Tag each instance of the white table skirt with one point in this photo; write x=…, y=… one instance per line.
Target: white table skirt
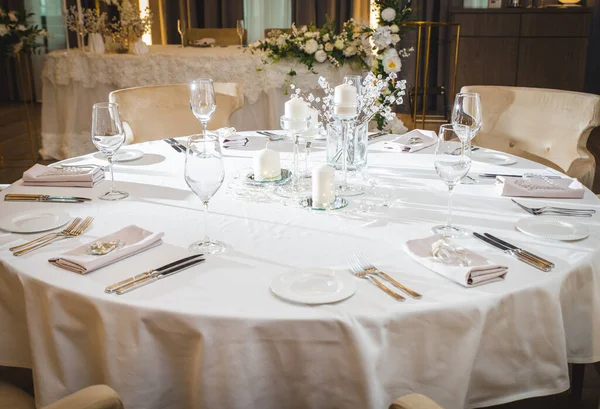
x=215, y=336
x=73, y=81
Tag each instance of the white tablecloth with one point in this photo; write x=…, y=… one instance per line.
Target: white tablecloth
x=73, y=81
x=215, y=336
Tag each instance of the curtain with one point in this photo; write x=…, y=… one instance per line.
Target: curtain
x=592, y=77
x=261, y=14
x=218, y=13
x=318, y=11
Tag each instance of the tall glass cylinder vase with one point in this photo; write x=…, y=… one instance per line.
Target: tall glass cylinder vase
x=357, y=147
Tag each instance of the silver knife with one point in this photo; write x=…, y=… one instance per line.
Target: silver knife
x=157, y=276
x=519, y=256
x=494, y=175
x=513, y=247
x=45, y=200
x=112, y=288
x=41, y=198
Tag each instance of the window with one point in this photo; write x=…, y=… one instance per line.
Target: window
x=261, y=14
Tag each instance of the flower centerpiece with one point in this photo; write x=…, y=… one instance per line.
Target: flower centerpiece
x=16, y=34
x=313, y=46
x=129, y=28
x=92, y=23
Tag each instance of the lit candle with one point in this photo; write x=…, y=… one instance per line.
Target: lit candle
x=267, y=165
x=296, y=108
x=323, y=178
x=344, y=99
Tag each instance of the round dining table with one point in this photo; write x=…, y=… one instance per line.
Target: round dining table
x=216, y=336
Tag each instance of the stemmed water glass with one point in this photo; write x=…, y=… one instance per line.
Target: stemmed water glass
x=452, y=162
x=108, y=135
x=203, y=101
x=241, y=28
x=204, y=174
x=467, y=119
x=181, y=29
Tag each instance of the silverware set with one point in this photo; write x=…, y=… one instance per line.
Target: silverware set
x=147, y=277
x=376, y=135
x=178, y=146
x=14, y=197
x=516, y=252
x=556, y=211
x=495, y=175
x=76, y=228
x=361, y=267
x=271, y=135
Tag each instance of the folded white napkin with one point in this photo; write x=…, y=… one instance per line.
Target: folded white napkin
x=205, y=41
x=230, y=138
x=40, y=175
x=136, y=240
x=539, y=186
x=478, y=271
x=412, y=141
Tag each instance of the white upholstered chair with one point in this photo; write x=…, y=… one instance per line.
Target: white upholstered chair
x=163, y=111
x=544, y=125
x=414, y=401
x=93, y=397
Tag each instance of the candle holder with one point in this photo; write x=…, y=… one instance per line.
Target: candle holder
x=346, y=115
x=294, y=127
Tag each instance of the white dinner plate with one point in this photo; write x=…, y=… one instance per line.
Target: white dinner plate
x=493, y=158
x=34, y=221
x=552, y=227
x=124, y=155
x=314, y=286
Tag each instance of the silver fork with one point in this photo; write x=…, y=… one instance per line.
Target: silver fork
x=361, y=273
x=79, y=230
x=66, y=230
x=369, y=268
x=555, y=210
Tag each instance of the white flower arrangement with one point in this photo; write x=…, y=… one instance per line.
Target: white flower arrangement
x=16, y=34
x=91, y=23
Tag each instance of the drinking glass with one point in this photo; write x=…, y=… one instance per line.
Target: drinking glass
x=203, y=101
x=204, y=174
x=452, y=162
x=466, y=115
x=108, y=135
x=240, y=26
x=346, y=116
x=181, y=29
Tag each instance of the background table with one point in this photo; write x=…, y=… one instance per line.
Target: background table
x=73, y=81
x=215, y=336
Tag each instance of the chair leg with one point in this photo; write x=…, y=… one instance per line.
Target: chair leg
x=577, y=373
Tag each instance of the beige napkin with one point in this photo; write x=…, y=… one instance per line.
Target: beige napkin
x=402, y=142
x=479, y=270
x=135, y=238
x=566, y=188
x=40, y=175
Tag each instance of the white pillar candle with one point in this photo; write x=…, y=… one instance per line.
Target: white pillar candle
x=267, y=165
x=296, y=108
x=344, y=99
x=323, y=186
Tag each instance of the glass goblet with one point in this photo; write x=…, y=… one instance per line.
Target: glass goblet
x=203, y=101
x=241, y=29
x=204, y=174
x=108, y=136
x=295, y=127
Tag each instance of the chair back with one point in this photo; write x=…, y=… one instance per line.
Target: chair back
x=163, y=111
x=222, y=36
x=283, y=30
x=548, y=126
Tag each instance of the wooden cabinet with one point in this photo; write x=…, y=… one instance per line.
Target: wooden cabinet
x=543, y=48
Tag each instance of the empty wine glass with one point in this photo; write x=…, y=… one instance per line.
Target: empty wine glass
x=108, y=135
x=181, y=29
x=203, y=101
x=452, y=162
x=241, y=30
x=204, y=174
x=466, y=115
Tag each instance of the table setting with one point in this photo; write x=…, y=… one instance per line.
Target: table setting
x=309, y=262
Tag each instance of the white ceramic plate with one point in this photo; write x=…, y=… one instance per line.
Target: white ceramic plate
x=551, y=227
x=124, y=155
x=314, y=286
x=34, y=221
x=493, y=158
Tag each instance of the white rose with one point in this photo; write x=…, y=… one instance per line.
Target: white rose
x=328, y=47
x=326, y=37
x=350, y=51
x=388, y=14
x=395, y=38
x=321, y=56
x=12, y=16
x=394, y=28
x=281, y=42
x=311, y=46
x=339, y=44
x=3, y=29
x=396, y=127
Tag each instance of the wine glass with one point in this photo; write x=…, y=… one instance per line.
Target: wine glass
x=466, y=115
x=108, y=135
x=204, y=174
x=452, y=162
x=181, y=29
x=241, y=29
x=203, y=101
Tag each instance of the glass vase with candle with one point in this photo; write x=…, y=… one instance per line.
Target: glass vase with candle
x=356, y=150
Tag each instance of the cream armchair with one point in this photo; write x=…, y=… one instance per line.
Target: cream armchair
x=163, y=111
x=93, y=397
x=544, y=125
x=414, y=401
